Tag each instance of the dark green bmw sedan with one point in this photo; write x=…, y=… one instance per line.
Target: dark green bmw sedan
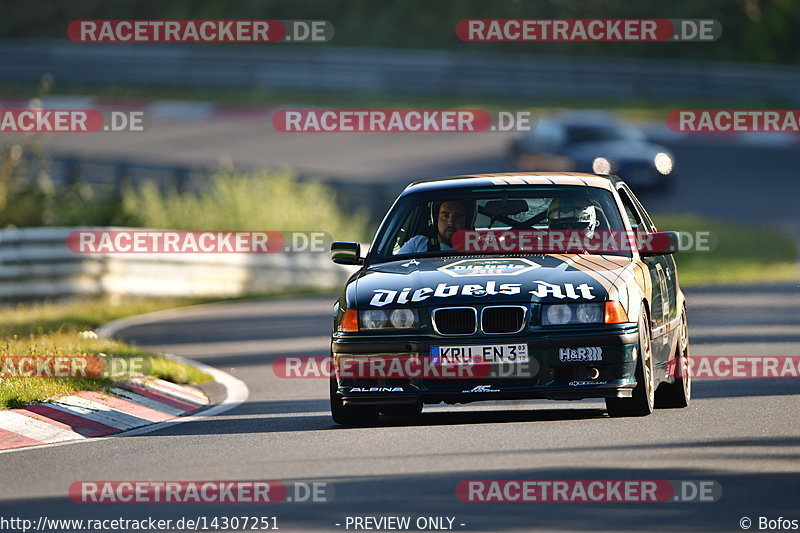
x=510, y=286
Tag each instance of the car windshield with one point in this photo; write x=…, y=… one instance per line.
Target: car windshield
x=601, y=133
x=429, y=224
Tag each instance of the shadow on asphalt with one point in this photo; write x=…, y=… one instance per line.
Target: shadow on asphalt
x=298, y=421
x=741, y=388
x=434, y=494
x=300, y=415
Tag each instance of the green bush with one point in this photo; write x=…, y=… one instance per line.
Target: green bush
x=260, y=201
x=264, y=200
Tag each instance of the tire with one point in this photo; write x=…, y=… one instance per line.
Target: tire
x=351, y=415
x=643, y=398
x=678, y=394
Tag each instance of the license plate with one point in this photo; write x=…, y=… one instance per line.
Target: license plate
x=494, y=354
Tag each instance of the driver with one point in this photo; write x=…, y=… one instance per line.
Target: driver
x=576, y=214
x=451, y=216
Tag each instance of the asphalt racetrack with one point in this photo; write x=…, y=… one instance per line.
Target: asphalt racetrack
x=742, y=434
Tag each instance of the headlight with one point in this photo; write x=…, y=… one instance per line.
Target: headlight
x=601, y=165
x=373, y=319
x=589, y=313
x=559, y=314
x=403, y=318
x=663, y=163
x=389, y=319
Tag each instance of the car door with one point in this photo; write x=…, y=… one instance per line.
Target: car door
x=662, y=275
x=668, y=263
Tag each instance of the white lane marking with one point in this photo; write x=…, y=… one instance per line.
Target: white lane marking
x=35, y=429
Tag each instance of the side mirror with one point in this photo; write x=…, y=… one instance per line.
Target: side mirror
x=346, y=253
x=658, y=243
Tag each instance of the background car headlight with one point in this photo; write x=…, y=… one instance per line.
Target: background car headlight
x=559, y=314
x=403, y=318
x=389, y=319
x=663, y=163
x=601, y=165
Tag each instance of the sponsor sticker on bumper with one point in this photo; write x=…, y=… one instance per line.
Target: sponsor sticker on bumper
x=494, y=354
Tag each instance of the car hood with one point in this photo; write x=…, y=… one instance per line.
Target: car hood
x=475, y=280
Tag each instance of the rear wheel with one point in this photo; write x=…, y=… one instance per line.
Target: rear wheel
x=351, y=415
x=679, y=393
x=641, y=401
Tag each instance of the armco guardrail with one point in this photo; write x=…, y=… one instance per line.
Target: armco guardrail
x=112, y=172
x=330, y=68
x=36, y=264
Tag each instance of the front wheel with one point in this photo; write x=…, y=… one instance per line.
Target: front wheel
x=678, y=394
x=642, y=400
x=351, y=415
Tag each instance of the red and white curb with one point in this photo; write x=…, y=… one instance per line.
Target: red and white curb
x=135, y=407
x=89, y=414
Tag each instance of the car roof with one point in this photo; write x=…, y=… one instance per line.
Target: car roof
x=513, y=179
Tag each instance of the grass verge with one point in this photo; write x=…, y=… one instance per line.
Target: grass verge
x=739, y=254
x=17, y=391
x=52, y=329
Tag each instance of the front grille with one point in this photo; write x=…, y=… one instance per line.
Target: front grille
x=503, y=319
x=455, y=321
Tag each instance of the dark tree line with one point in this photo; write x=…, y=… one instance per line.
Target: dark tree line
x=753, y=30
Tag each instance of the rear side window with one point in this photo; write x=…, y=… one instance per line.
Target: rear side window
x=631, y=211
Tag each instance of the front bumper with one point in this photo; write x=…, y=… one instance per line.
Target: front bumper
x=609, y=372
